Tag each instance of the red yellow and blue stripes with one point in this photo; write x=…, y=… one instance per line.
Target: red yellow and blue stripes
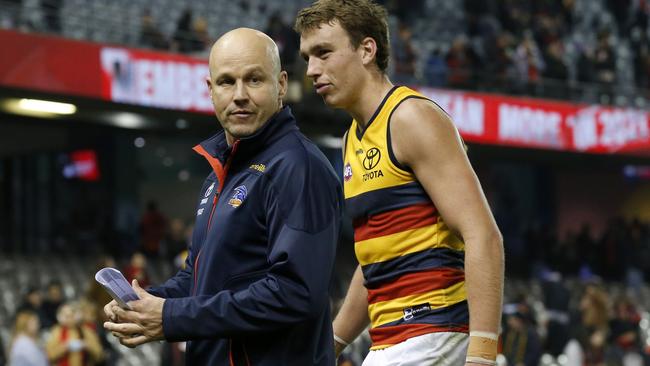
x=453, y=318
x=413, y=264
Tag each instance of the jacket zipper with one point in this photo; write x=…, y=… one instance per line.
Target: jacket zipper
x=214, y=206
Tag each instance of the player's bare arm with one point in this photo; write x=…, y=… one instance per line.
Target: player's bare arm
x=352, y=318
x=425, y=139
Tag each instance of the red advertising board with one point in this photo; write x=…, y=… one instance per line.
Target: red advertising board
x=528, y=122
x=62, y=66
x=165, y=80
x=154, y=80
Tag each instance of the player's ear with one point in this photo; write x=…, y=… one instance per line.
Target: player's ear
x=368, y=50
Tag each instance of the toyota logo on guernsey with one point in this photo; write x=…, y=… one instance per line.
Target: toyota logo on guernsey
x=372, y=158
x=370, y=162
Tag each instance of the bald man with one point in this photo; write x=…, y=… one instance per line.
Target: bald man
x=255, y=287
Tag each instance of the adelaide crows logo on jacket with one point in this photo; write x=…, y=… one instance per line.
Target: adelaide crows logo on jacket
x=238, y=196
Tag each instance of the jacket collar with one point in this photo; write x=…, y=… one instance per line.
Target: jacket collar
x=278, y=125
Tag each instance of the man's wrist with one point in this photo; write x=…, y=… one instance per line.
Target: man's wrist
x=340, y=340
x=482, y=348
x=339, y=345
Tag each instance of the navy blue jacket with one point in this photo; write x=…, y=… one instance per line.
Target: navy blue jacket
x=255, y=289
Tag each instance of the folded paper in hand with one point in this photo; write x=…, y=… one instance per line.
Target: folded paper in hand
x=117, y=286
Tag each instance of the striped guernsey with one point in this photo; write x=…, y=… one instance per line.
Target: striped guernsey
x=411, y=261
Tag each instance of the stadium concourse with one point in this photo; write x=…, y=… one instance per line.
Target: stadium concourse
x=101, y=103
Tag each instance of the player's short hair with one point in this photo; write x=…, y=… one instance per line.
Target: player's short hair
x=359, y=18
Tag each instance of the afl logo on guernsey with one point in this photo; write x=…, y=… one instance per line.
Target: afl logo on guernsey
x=372, y=158
x=238, y=197
x=347, y=172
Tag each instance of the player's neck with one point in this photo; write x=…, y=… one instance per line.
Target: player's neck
x=370, y=97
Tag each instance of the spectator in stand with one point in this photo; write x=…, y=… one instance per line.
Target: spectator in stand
x=461, y=62
x=520, y=342
x=637, y=253
x=153, y=227
x=176, y=242
x=611, y=249
x=33, y=301
x=475, y=12
x=556, y=72
x=286, y=39
x=547, y=28
x=585, y=64
x=71, y=343
x=25, y=350
x=186, y=39
x=624, y=333
x=435, y=70
x=137, y=270
x=404, y=10
x=404, y=55
x=620, y=9
x=499, y=51
x=53, y=299
x=566, y=12
x=10, y=17
x=641, y=48
x=588, y=345
x=95, y=293
x=90, y=320
x=515, y=15
x=202, y=41
x=640, y=16
x=52, y=15
x=588, y=248
x=529, y=65
x=150, y=34
x=605, y=64
x=556, y=300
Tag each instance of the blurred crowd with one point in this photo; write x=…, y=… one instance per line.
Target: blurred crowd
x=621, y=252
x=52, y=329
x=510, y=46
x=553, y=320
x=600, y=326
x=522, y=47
x=513, y=46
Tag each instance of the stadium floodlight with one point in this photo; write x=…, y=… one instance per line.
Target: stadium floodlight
x=46, y=106
x=127, y=120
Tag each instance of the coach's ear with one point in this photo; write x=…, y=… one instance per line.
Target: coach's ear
x=283, y=81
x=209, y=83
x=368, y=50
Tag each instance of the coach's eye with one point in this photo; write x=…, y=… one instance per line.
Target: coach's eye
x=225, y=82
x=255, y=79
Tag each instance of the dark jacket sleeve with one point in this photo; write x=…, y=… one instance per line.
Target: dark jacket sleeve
x=303, y=203
x=179, y=285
